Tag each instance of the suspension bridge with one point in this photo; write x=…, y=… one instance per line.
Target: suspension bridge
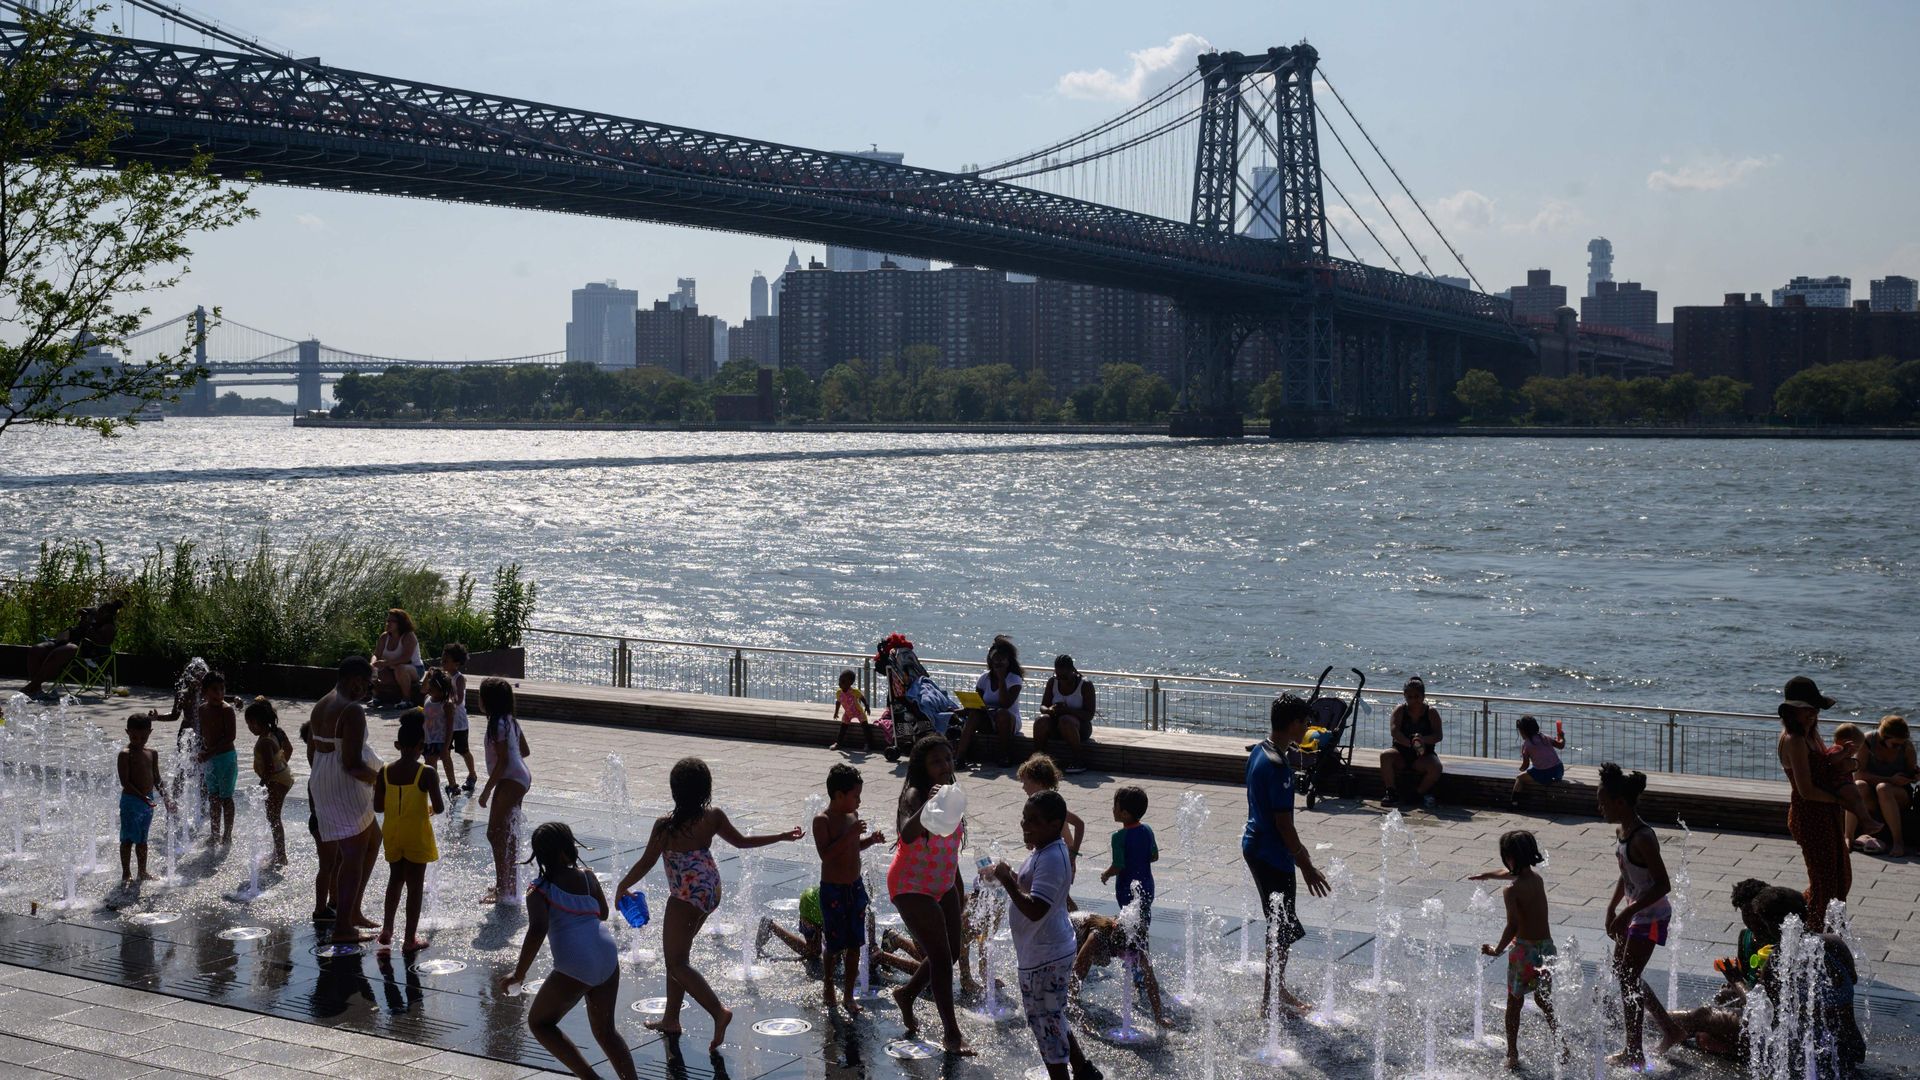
x=1210, y=191
x=237, y=355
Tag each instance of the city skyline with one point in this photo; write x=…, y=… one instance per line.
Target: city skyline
x=1674, y=163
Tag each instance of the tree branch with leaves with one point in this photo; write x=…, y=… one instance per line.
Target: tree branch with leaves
x=85, y=232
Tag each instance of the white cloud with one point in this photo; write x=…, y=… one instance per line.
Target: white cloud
x=1103, y=85
x=1553, y=215
x=1463, y=211
x=1707, y=174
x=310, y=222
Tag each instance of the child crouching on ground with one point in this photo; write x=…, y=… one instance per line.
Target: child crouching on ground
x=1527, y=932
x=1043, y=935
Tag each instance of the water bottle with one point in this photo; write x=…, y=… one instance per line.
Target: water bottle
x=983, y=864
x=633, y=907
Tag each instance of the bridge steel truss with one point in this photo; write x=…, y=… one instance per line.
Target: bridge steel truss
x=300, y=123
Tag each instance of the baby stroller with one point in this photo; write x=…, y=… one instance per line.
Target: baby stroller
x=1327, y=751
x=916, y=705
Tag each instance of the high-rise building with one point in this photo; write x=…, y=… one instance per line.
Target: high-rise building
x=677, y=339
x=1599, y=263
x=1539, y=297
x=1765, y=346
x=757, y=297
x=1263, y=208
x=682, y=295
x=971, y=317
x=601, y=331
x=1447, y=279
x=1894, y=293
x=1832, y=291
x=1622, y=305
x=793, y=263
x=757, y=340
x=853, y=259
x=722, y=351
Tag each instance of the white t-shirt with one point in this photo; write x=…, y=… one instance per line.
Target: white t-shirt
x=1045, y=876
x=984, y=687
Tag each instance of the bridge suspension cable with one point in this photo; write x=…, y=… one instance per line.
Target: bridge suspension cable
x=1094, y=132
x=1457, y=257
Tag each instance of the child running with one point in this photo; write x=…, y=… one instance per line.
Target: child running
x=1527, y=932
x=439, y=713
x=1041, y=773
x=271, y=751
x=453, y=661
x=219, y=763
x=840, y=836
x=1043, y=935
x=407, y=792
x=139, y=790
x=849, y=707
x=681, y=840
x=1134, y=853
x=566, y=908
x=1642, y=923
x=1540, y=763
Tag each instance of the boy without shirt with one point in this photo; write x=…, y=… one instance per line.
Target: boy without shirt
x=840, y=836
x=219, y=727
x=139, y=790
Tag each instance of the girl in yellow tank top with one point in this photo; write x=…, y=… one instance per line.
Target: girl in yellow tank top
x=407, y=792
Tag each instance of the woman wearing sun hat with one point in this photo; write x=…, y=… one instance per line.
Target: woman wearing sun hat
x=1814, y=814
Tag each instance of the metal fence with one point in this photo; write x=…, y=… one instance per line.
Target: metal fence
x=1696, y=741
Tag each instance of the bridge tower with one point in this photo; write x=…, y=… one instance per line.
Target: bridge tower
x=1272, y=94
x=198, y=400
x=307, y=376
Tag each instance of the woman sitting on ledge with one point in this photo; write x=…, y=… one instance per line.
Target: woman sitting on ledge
x=999, y=690
x=396, y=660
x=1416, y=728
x=1066, y=713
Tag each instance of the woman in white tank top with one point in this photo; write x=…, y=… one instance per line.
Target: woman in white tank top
x=396, y=657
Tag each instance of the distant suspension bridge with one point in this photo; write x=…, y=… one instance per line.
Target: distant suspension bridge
x=237, y=354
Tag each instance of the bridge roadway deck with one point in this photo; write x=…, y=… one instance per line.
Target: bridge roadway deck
x=772, y=755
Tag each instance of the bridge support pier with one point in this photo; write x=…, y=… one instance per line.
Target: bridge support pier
x=307, y=377
x=1206, y=408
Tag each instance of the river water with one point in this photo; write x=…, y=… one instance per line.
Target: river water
x=1673, y=572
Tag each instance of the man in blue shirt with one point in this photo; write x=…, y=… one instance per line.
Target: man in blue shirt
x=1271, y=846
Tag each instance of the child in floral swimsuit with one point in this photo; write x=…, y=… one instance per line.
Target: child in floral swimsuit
x=682, y=840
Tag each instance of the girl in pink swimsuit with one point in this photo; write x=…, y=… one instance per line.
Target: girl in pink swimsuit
x=683, y=840
x=924, y=883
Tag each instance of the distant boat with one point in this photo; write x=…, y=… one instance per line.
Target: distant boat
x=149, y=413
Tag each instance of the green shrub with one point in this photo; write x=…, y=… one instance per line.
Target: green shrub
x=309, y=604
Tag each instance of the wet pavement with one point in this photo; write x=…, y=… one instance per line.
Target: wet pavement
x=132, y=965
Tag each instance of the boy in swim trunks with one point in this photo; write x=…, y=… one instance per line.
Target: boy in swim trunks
x=139, y=790
x=1527, y=931
x=840, y=836
x=219, y=761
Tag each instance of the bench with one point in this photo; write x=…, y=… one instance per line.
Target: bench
x=1707, y=802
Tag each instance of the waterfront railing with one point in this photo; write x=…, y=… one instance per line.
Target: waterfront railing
x=1701, y=742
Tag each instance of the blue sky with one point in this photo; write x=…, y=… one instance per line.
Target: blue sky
x=1720, y=146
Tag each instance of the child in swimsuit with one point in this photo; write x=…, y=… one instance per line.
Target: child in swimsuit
x=1527, y=931
x=271, y=749
x=408, y=793
x=681, y=841
x=850, y=708
x=1641, y=925
x=566, y=908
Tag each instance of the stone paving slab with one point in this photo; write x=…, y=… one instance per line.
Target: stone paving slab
x=46, y=1020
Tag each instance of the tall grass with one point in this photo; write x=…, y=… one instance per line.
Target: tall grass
x=307, y=604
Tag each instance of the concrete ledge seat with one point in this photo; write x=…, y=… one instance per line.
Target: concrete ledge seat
x=1707, y=802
